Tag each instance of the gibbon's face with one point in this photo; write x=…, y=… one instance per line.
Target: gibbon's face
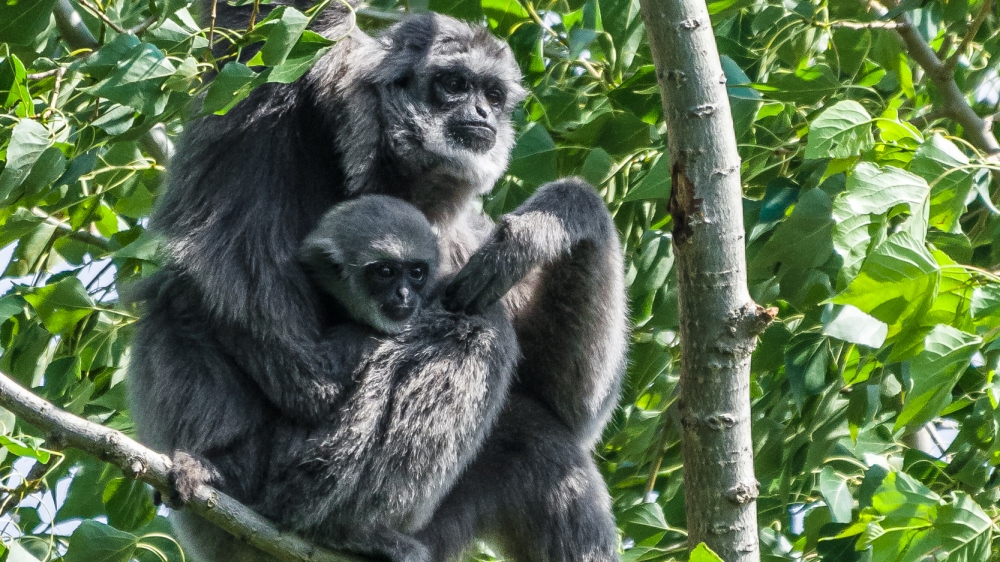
x=396, y=286
x=449, y=90
x=475, y=106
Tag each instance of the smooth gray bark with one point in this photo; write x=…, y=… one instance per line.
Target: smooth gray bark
x=719, y=322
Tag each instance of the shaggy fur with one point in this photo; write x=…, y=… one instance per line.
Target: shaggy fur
x=318, y=424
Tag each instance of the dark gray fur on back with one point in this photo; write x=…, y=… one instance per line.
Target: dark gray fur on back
x=359, y=440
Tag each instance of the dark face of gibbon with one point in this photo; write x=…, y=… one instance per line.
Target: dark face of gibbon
x=475, y=106
x=446, y=92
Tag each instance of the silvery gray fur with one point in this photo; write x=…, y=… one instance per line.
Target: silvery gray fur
x=376, y=257
x=316, y=422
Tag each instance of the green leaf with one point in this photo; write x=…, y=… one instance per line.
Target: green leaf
x=230, y=87
x=655, y=184
x=645, y=523
x=28, y=447
x=806, y=85
x=940, y=162
x=934, y=372
x=803, y=241
x=836, y=495
x=902, y=499
x=876, y=190
x=97, y=542
x=21, y=21
x=13, y=82
x=702, y=553
x=985, y=301
x=534, y=157
x=27, y=143
x=966, y=530
x=61, y=305
x=282, y=35
x=842, y=130
x=116, y=120
x=137, y=81
x=807, y=360
x=9, y=306
x=896, y=284
x=129, y=503
x=309, y=49
x=470, y=10
x=504, y=14
x=167, y=8
x=852, y=325
x=852, y=240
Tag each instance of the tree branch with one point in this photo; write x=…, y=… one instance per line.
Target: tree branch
x=153, y=468
x=719, y=322
x=969, y=35
x=976, y=130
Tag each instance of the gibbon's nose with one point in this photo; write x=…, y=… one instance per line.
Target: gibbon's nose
x=482, y=111
x=403, y=295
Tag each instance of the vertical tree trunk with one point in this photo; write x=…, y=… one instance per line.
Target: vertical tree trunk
x=719, y=322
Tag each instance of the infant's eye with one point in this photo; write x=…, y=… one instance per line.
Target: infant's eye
x=418, y=272
x=384, y=271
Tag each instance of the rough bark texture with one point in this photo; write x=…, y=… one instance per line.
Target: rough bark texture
x=136, y=461
x=719, y=322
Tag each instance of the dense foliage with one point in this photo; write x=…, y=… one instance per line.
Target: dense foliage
x=870, y=224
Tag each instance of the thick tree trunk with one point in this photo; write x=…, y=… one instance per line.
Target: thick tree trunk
x=719, y=322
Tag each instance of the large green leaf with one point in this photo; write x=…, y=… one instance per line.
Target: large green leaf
x=943, y=165
x=61, y=305
x=97, y=542
x=22, y=20
x=896, y=284
x=840, y=131
x=934, y=372
x=27, y=143
x=874, y=190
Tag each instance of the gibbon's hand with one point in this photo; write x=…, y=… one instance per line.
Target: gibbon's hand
x=492, y=271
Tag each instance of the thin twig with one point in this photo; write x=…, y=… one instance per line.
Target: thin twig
x=66, y=230
x=43, y=75
x=60, y=72
x=144, y=25
x=864, y=24
x=211, y=26
x=153, y=468
x=969, y=35
x=101, y=15
x=13, y=496
x=253, y=15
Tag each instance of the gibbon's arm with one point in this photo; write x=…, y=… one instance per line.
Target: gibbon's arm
x=572, y=321
x=303, y=375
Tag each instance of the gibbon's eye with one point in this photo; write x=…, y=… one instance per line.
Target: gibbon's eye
x=418, y=272
x=383, y=271
x=454, y=83
x=495, y=97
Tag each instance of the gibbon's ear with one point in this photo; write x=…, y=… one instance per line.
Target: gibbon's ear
x=321, y=257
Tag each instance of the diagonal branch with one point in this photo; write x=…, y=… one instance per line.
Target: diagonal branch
x=976, y=129
x=984, y=12
x=153, y=468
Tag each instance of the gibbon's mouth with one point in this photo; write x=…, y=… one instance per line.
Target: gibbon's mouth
x=475, y=135
x=397, y=313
